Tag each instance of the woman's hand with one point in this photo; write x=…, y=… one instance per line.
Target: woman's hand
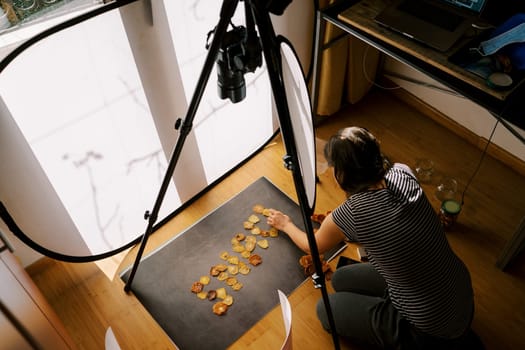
x=278, y=220
x=327, y=237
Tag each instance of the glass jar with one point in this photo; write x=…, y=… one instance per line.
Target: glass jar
x=424, y=170
x=447, y=189
x=448, y=213
x=25, y=8
x=49, y=2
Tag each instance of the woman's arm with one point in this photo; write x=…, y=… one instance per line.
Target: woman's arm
x=327, y=236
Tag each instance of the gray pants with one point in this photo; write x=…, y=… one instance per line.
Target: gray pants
x=363, y=313
x=361, y=308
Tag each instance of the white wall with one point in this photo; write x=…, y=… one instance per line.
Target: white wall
x=296, y=24
x=466, y=113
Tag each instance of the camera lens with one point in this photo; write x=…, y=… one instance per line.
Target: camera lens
x=231, y=67
x=230, y=82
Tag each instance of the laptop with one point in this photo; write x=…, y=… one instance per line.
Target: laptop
x=436, y=23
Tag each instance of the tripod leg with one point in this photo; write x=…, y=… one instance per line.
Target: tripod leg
x=227, y=11
x=272, y=57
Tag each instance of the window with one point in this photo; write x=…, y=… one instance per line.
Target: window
x=86, y=106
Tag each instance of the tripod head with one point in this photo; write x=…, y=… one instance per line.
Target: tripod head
x=241, y=53
x=277, y=7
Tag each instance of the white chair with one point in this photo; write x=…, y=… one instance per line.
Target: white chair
x=287, y=318
x=111, y=341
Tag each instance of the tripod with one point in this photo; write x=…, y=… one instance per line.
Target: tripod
x=256, y=14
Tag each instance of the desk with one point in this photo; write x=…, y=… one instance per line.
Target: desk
x=356, y=17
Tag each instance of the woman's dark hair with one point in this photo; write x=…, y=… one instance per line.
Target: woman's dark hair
x=356, y=157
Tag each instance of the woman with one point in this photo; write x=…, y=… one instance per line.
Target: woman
x=414, y=292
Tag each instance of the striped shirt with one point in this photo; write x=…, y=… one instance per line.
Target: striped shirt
x=427, y=283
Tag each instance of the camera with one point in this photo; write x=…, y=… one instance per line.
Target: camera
x=239, y=53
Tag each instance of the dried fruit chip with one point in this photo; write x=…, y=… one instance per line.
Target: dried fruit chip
x=244, y=270
x=237, y=286
x=255, y=259
x=256, y=231
x=197, y=287
x=222, y=276
x=204, y=280
x=250, y=246
x=246, y=254
x=254, y=219
x=251, y=239
x=221, y=293
x=202, y=295
x=231, y=281
x=265, y=233
x=234, y=260
x=216, y=269
x=211, y=295
x=233, y=269
x=219, y=308
x=224, y=255
x=258, y=208
x=238, y=248
x=305, y=260
x=263, y=243
x=247, y=225
x=266, y=212
x=318, y=218
x=274, y=232
x=228, y=300
x=240, y=237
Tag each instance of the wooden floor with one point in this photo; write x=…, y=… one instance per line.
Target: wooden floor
x=88, y=302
